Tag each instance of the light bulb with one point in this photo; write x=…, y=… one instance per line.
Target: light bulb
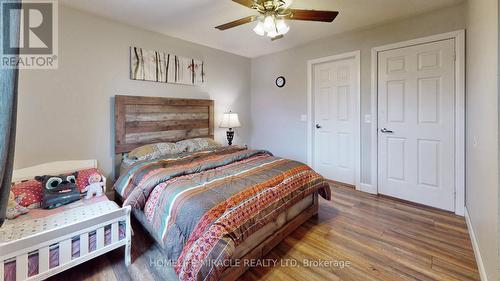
x=259, y=29
x=269, y=24
x=282, y=27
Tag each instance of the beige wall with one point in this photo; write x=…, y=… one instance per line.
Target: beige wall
x=68, y=113
x=276, y=112
x=482, y=128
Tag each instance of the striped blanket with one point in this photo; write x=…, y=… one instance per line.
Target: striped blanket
x=200, y=206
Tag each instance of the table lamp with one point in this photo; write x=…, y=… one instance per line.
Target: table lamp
x=230, y=120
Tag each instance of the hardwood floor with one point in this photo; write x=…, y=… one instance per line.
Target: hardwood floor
x=377, y=238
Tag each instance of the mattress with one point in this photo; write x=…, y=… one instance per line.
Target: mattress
x=38, y=220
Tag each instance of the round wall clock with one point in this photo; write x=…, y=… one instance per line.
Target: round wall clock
x=280, y=81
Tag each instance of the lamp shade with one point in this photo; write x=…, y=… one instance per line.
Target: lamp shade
x=230, y=120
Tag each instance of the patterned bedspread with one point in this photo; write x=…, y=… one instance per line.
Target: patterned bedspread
x=200, y=206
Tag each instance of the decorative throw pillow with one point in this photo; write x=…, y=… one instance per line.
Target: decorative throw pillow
x=82, y=178
x=14, y=210
x=58, y=190
x=28, y=193
x=156, y=150
x=198, y=144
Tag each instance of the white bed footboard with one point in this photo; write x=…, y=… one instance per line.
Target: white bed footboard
x=62, y=238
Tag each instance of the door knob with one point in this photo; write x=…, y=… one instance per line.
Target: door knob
x=385, y=131
x=318, y=126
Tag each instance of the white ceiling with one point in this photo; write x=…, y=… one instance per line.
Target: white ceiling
x=194, y=20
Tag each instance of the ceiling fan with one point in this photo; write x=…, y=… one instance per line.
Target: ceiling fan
x=272, y=16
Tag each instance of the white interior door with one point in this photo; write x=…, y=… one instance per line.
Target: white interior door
x=416, y=124
x=335, y=102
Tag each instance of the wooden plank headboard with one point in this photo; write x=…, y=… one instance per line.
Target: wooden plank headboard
x=146, y=120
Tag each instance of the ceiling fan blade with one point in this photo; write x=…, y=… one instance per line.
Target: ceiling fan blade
x=246, y=3
x=312, y=15
x=277, y=37
x=236, y=23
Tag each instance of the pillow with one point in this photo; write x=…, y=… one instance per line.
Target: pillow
x=198, y=144
x=58, y=190
x=156, y=150
x=28, y=193
x=82, y=177
x=14, y=210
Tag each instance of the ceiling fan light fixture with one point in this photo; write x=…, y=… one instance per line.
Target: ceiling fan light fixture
x=282, y=27
x=271, y=27
x=269, y=24
x=272, y=15
x=259, y=29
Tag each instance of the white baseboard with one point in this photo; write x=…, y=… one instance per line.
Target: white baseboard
x=368, y=188
x=475, y=246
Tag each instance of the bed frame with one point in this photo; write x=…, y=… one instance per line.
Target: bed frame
x=62, y=236
x=233, y=273
x=145, y=120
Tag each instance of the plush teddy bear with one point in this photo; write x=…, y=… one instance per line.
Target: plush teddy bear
x=14, y=210
x=95, y=186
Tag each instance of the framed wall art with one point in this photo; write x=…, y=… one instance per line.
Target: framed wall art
x=162, y=67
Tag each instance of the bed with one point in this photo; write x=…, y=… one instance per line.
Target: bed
x=44, y=242
x=215, y=210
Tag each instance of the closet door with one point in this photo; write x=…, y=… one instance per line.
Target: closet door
x=416, y=126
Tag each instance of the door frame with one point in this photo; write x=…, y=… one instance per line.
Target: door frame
x=459, y=37
x=356, y=55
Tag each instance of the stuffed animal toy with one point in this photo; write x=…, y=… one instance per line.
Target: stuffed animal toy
x=58, y=190
x=95, y=186
x=14, y=210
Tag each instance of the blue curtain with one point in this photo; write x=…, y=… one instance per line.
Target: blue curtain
x=8, y=112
